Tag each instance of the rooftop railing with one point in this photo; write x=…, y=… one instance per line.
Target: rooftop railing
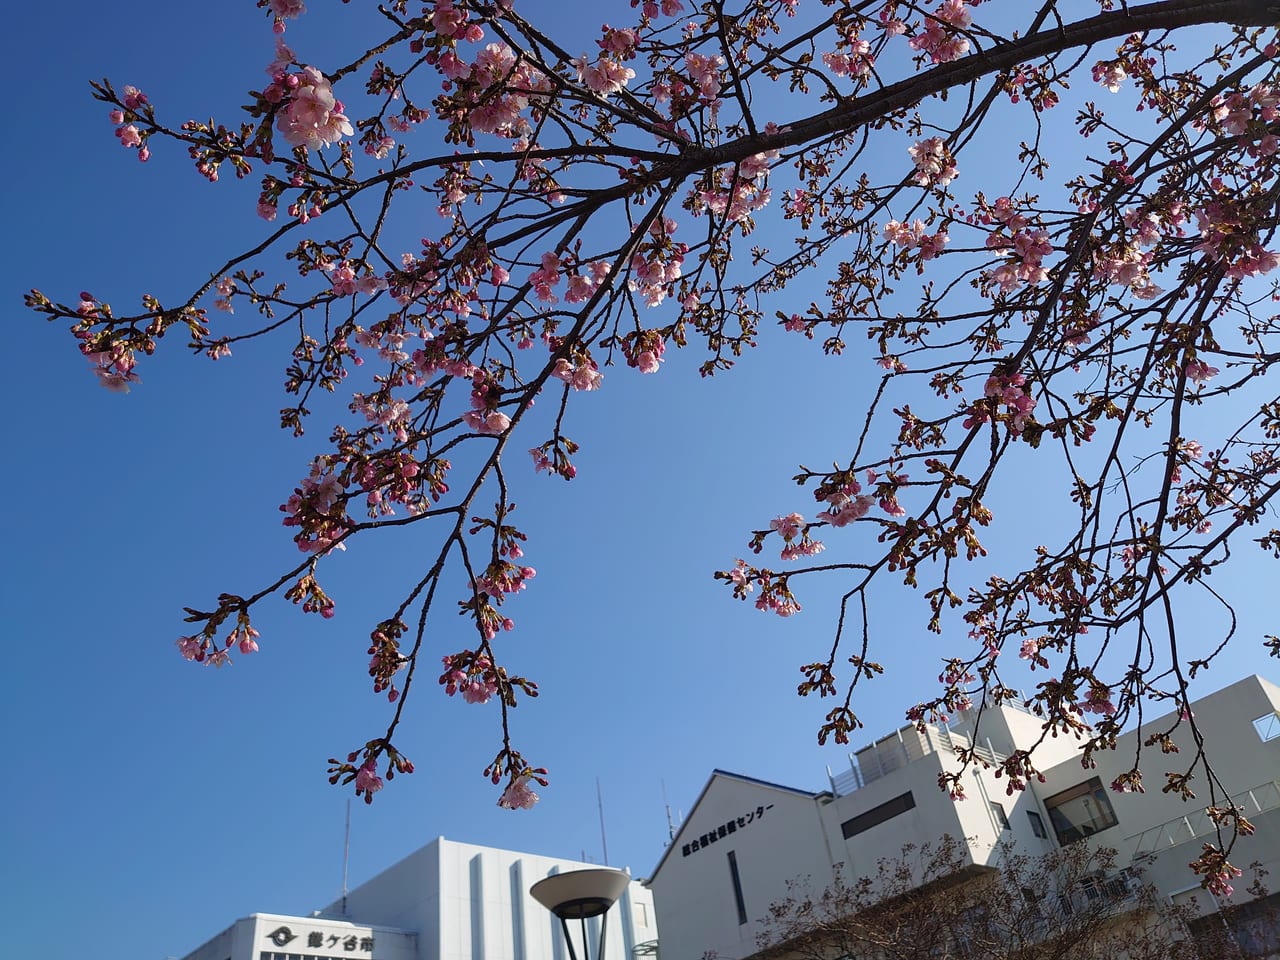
x=1179, y=830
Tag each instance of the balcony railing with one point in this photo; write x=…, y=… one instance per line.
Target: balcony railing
x=900, y=748
x=1265, y=796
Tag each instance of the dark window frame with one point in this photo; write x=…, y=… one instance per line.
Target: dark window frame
x=737, y=888
x=1037, y=825
x=878, y=815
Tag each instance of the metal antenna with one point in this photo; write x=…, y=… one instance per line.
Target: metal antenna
x=604, y=844
x=671, y=827
x=346, y=857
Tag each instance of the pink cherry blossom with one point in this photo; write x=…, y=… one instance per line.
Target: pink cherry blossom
x=114, y=367
x=284, y=58
x=934, y=164
x=941, y=38
x=670, y=8
x=931, y=244
x=582, y=376
x=132, y=97
x=129, y=136
x=705, y=73
x=546, y=277
x=845, y=505
x=1127, y=266
x=647, y=361
x=518, y=795
x=1200, y=372
x=381, y=148
x=477, y=685
x=620, y=43
x=247, y=638
x=370, y=284
x=1110, y=74
x=367, y=780
x=343, y=278
x=856, y=61
x=803, y=548
x=313, y=117
x=287, y=9
x=891, y=25
x=740, y=576
x=493, y=422
x=787, y=527
x=453, y=67
x=448, y=20
x=1098, y=700
x=225, y=287
x=605, y=76
x=891, y=506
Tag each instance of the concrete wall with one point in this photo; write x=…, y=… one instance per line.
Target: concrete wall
x=405, y=895
x=933, y=815
x=776, y=837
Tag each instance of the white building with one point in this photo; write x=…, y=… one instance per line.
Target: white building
x=269, y=936
x=744, y=839
x=446, y=901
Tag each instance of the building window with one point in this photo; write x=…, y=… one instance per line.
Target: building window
x=1002, y=820
x=1037, y=825
x=878, y=815
x=737, y=888
x=1081, y=811
x=1032, y=901
x=1268, y=726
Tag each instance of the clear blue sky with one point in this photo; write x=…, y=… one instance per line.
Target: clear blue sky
x=150, y=803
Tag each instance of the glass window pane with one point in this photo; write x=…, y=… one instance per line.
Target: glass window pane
x=1080, y=811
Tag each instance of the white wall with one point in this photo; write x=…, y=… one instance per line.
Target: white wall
x=468, y=902
x=932, y=816
x=300, y=937
x=777, y=836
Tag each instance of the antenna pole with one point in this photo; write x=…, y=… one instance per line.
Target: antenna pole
x=346, y=857
x=604, y=844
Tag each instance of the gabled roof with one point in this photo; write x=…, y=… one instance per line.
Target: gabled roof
x=719, y=774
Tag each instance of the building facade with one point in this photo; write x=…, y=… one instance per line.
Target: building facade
x=270, y=936
x=446, y=901
x=747, y=843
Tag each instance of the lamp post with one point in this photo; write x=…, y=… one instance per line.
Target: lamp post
x=580, y=895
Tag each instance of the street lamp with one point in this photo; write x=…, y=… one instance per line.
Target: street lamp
x=580, y=895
